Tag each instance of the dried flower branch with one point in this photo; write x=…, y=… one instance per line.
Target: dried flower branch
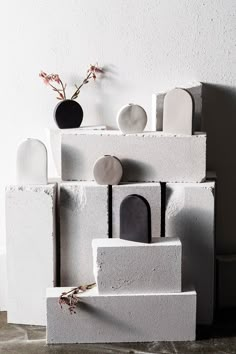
x=71, y=297
x=50, y=79
x=91, y=74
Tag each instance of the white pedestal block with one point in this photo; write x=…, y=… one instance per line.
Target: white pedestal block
x=122, y=318
x=145, y=157
x=30, y=237
x=3, y=280
x=190, y=215
x=226, y=285
x=126, y=267
x=83, y=217
x=195, y=89
x=54, y=141
x=150, y=191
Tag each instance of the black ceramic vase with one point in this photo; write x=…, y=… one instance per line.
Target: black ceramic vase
x=68, y=114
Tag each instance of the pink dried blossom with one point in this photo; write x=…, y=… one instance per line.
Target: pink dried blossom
x=49, y=78
x=95, y=69
x=56, y=78
x=42, y=74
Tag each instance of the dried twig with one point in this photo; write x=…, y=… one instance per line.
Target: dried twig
x=71, y=297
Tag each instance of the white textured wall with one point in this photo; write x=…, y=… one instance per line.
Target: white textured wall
x=145, y=46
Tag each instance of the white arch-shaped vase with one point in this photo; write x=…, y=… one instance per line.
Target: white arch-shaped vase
x=32, y=162
x=178, y=112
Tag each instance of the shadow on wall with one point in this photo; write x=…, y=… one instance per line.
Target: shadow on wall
x=219, y=121
x=195, y=248
x=106, y=88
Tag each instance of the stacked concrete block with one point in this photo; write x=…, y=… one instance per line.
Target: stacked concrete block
x=138, y=297
x=195, y=89
x=140, y=294
x=150, y=191
x=83, y=217
x=30, y=231
x=125, y=267
x=190, y=215
x=226, y=285
x=122, y=318
x=145, y=157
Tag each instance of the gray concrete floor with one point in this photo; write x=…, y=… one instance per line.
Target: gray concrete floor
x=219, y=339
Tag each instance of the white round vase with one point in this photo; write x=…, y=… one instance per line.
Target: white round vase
x=132, y=119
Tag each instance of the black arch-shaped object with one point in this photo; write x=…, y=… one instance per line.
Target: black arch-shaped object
x=135, y=219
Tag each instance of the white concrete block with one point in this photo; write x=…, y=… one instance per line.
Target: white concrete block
x=190, y=215
x=122, y=318
x=195, y=89
x=54, y=141
x=226, y=285
x=30, y=237
x=3, y=280
x=126, y=267
x=145, y=157
x=83, y=217
x=150, y=191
